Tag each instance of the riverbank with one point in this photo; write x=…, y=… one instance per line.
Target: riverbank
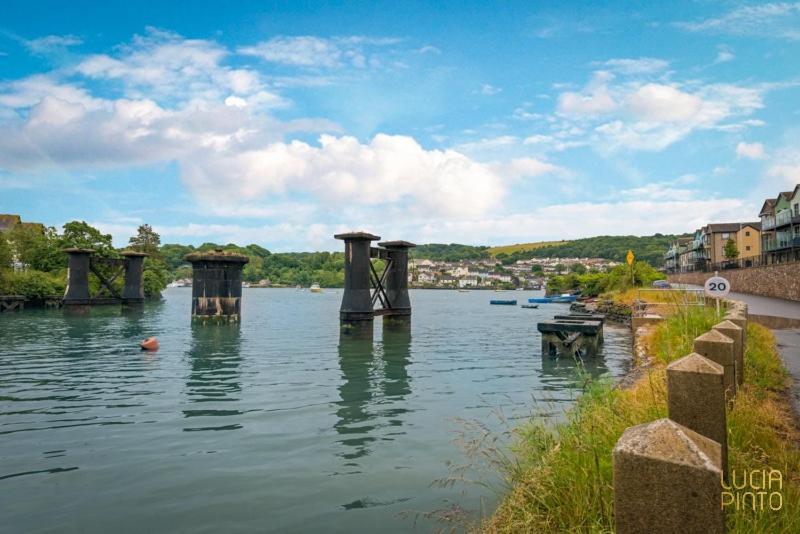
x=561, y=479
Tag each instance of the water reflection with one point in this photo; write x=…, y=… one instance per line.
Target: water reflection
x=214, y=359
x=356, y=364
x=396, y=356
x=566, y=371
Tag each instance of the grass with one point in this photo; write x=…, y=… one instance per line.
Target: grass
x=561, y=480
x=521, y=247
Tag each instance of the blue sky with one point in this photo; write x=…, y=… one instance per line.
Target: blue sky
x=286, y=122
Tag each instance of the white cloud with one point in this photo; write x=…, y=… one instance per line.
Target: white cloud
x=642, y=65
x=785, y=165
x=595, y=99
x=166, y=67
x=51, y=43
x=429, y=49
x=488, y=89
x=663, y=103
x=750, y=150
x=724, y=54
x=319, y=52
x=775, y=20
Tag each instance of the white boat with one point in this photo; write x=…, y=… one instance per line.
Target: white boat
x=245, y=284
x=315, y=288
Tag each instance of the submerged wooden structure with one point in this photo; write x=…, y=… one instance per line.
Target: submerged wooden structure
x=217, y=285
x=577, y=337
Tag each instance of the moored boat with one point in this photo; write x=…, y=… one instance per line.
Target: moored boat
x=315, y=288
x=529, y=306
x=503, y=302
x=540, y=300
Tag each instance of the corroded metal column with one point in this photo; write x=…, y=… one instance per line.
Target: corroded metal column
x=216, y=285
x=357, y=299
x=77, y=292
x=396, y=283
x=133, y=292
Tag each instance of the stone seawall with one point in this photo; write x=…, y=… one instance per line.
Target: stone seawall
x=779, y=281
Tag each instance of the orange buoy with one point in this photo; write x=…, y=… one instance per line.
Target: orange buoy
x=151, y=343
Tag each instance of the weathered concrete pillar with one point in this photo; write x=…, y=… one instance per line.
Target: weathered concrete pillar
x=733, y=331
x=77, y=292
x=357, y=298
x=718, y=347
x=739, y=319
x=133, y=291
x=396, y=284
x=696, y=399
x=667, y=479
x=216, y=285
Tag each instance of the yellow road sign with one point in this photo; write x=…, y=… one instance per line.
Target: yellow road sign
x=630, y=257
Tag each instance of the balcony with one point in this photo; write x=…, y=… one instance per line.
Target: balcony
x=785, y=218
x=696, y=244
x=786, y=242
x=767, y=223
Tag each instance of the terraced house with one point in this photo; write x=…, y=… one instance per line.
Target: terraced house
x=780, y=223
x=706, y=249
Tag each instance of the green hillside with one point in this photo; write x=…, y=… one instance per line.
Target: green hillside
x=647, y=248
x=521, y=247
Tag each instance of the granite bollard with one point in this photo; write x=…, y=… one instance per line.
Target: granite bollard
x=739, y=319
x=696, y=399
x=718, y=347
x=667, y=479
x=736, y=333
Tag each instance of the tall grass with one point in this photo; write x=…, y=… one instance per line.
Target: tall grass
x=562, y=479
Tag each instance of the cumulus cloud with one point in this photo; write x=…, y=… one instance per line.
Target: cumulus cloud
x=164, y=66
x=595, y=99
x=724, y=54
x=488, y=89
x=785, y=166
x=750, y=150
x=642, y=115
x=775, y=20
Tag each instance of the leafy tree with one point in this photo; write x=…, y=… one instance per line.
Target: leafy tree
x=31, y=284
x=156, y=276
x=5, y=253
x=37, y=247
x=146, y=240
x=731, y=251
x=559, y=268
x=78, y=234
x=577, y=268
x=537, y=269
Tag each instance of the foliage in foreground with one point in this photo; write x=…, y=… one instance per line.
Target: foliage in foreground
x=562, y=478
x=592, y=284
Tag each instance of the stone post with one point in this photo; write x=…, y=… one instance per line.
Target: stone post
x=733, y=331
x=357, y=298
x=719, y=348
x=133, y=291
x=740, y=320
x=77, y=292
x=396, y=284
x=217, y=285
x=696, y=399
x=667, y=479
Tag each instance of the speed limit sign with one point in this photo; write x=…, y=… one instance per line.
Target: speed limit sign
x=717, y=287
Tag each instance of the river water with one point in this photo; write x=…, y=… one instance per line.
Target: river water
x=274, y=425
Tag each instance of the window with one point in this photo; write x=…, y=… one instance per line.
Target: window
x=747, y=248
x=747, y=233
x=725, y=236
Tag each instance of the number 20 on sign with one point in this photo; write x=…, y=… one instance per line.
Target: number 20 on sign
x=717, y=287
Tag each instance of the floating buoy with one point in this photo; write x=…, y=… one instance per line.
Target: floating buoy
x=151, y=343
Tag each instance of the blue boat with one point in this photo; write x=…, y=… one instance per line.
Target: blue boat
x=504, y=302
x=540, y=300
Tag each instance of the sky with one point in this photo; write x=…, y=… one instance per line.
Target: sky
x=282, y=123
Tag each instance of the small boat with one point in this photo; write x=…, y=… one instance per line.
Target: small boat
x=503, y=302
x=245, y=284
x=463, y=290
x=530, y=306
x=541, y=300
x=315, y=288
x=564, y=298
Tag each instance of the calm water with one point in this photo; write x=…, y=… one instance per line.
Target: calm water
x=274, y=425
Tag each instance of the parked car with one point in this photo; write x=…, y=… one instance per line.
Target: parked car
x=661, y=284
